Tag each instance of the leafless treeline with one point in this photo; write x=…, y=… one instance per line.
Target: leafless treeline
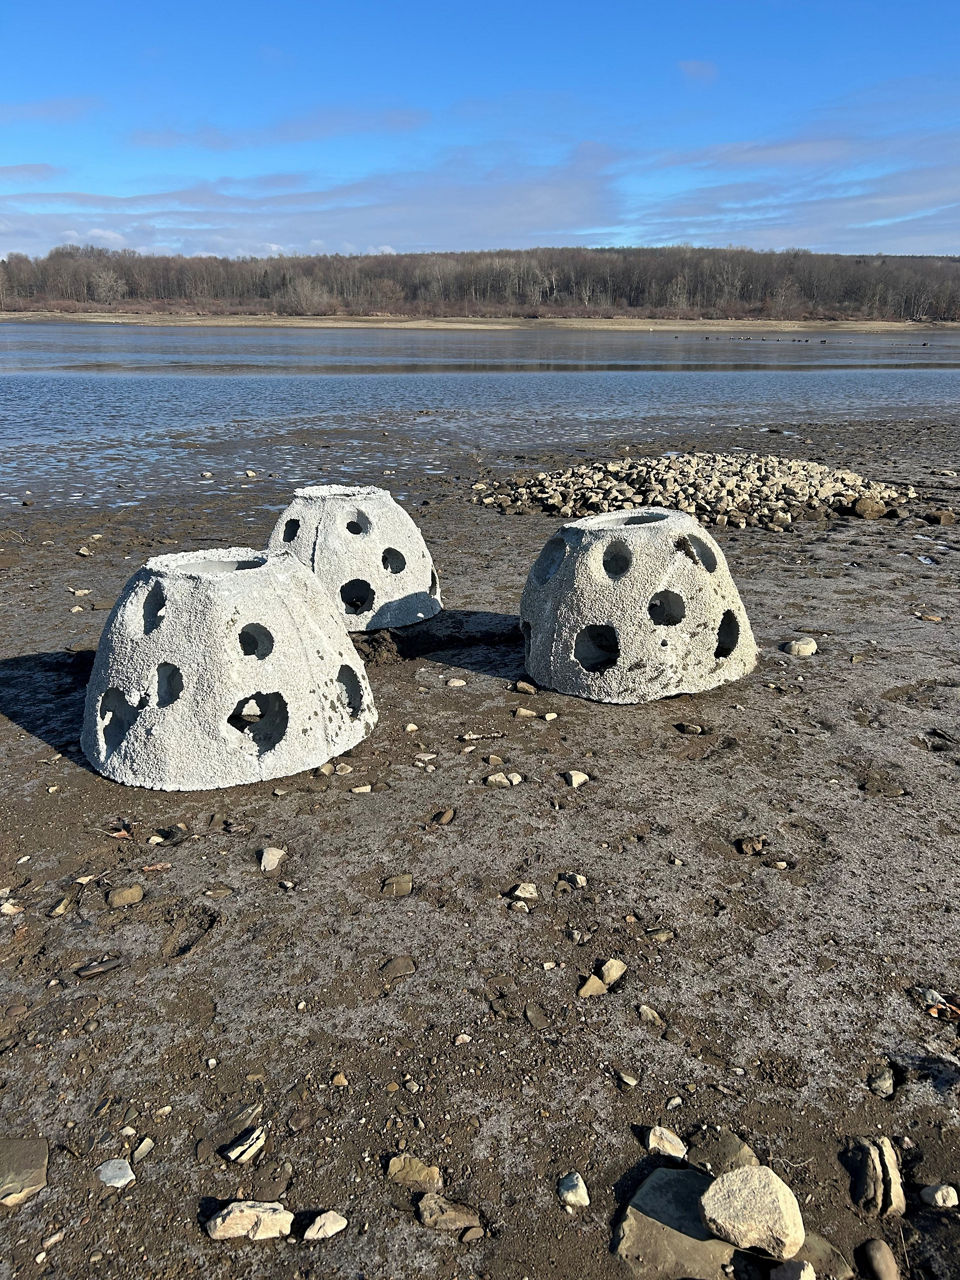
x=677, y=282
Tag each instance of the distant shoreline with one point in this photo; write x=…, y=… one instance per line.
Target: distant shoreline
x=625, y=324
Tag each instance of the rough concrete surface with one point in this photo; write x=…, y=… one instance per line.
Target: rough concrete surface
x=366, y=551
x=633, y=606
x=779, y=885
x=222, y=667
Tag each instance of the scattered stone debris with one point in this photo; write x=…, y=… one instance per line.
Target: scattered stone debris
x=408, y=1171
x=882, y=1083
x=664, y=1142
x=876, y=1186
x=250, y=1220
x=735, y=489
x=245, y=1146
x=444, y=1215
x=23, y=1169
x=751, y=1208
x=572, y=1191
x=326, y=1225
x=116, y=1173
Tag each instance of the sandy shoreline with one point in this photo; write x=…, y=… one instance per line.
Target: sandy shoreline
x=615, y=324
x=784, y=977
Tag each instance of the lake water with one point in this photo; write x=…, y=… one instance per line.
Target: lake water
x=105, y=413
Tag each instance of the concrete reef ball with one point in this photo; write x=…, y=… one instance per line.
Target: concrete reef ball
x=366, y=552
x=633, y=606
x=217, y=668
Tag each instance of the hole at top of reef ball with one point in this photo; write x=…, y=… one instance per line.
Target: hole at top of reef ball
x=358, y=523
x=357, y=596
x=549, y=560
x=704, y=553
x=647, y=517
x=256, y=641
x=597, y=648
x=667, y=609
x=617, y=559
x=169, y=684
x=394, y=561
x=261, y=719
x=290, y=530
x=728, y=634
x=351, y=690
x=154, y=608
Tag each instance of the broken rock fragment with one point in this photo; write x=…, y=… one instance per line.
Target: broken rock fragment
x=250, y=1220
x=876, y=1186
x=325, y=1225
x=408, y=1171
x=752, y=1208
x=23, y=1169
x=444, y=1215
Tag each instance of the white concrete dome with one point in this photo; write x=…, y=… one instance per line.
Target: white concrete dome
x=632, y=606
x=366, y=552
x=218, y=668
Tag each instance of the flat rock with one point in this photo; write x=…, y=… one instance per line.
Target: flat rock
x=398, y=886
x=718, y=1151
x=576, y=778
x=326, y=1225
x=270, y=859
x=754, y=1209
x=399, y=967
x=662, y=1234
x=23, y=1169
x=612, y=971
x=250, y=1220
x=125, y=896
x=408, y=1171
x=116, y=1173
x=444, y=1215
x=592, y=986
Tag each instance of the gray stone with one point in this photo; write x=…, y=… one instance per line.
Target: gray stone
x=805, y=647
x=882, y=1083
x=628, y=607
x=116, y=1173
x=876, y=1185
x=826, y=1261
x=398, y=967
x=23, y=1169
x=125, y=896
x=218, y=668
x=325, y=1225
x=444, y=1215
x=754, y=1209
x=250, y=1220
x=662, y=1234
x=793, y=1270
x=572, y=1191
x=719, y=1150
x=366, y=552
x=877, y=1261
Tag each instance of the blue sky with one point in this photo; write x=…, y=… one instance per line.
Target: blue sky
x=286, y=127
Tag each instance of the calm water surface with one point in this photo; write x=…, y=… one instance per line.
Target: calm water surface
x=87, y=408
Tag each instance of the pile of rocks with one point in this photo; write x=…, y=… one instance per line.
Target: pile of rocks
x=736, y=489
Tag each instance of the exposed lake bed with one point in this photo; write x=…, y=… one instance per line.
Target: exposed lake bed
x=779, y=884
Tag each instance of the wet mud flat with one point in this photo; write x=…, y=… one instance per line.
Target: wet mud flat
x=778, y=885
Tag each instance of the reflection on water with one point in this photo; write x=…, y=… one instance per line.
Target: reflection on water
x=91, y=406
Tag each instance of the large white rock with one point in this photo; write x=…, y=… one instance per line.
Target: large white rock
x=366, y=552
x=633, y=606
x=754, y=1209
x=222, y=667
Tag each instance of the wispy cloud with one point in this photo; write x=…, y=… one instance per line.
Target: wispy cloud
x=310, y=126
x=29, y=172
x=698, y=71
x=50, y=110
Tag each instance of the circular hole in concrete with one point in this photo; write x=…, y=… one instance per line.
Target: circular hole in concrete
x=256, y=641
x=117, y=716
x=351, y=690
x=617, y=559
x=667, y=609
x=290, y=530
x=154, y=608
x=357, y=596
x=358, y=523
x=549, y=560
x=597, y=648
x=169, y=684
x=394, y=561
x=704, y=552
x=728, y=635
x=261, y=719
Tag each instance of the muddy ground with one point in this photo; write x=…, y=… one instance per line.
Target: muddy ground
x=787, y=978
